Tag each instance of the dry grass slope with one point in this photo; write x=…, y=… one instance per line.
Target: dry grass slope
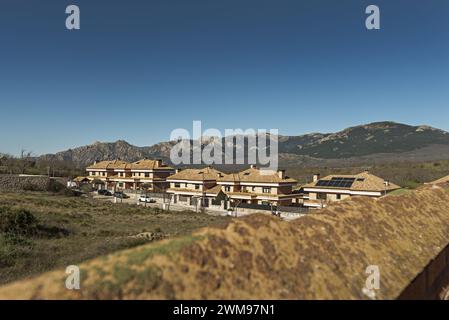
x=320, y=256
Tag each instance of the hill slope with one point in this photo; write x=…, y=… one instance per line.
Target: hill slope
x=323, y=255
x=383, y=140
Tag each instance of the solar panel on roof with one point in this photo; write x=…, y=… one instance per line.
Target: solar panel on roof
x=336, y=182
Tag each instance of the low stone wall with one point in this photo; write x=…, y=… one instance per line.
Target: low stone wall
x=20, y=183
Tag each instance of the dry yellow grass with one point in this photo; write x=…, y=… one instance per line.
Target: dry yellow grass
x=320, y=256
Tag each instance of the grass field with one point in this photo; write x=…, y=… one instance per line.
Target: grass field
x=41, y=231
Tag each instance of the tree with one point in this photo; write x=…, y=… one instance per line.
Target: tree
x=24, y=161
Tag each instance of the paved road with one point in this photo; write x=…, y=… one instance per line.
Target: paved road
x=133, y=199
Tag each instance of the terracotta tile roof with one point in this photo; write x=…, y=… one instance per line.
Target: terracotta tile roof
x=364, y=181
x=79, y=179
x=149, y=164
x=214, y=190
x=103, y=165
x=255, y=175
x=207, y=173
x=145, y=164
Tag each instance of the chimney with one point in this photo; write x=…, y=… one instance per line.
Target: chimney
x=316, y=177
x=253, y=166
x=96, y=161
x=281, y=174
x=158, y=162
x=178, y=170
x=387, y=183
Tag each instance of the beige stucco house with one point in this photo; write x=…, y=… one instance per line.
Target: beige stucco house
x=147, y=173
x=251, y=186
x=189, y=186
x=258, y=186
x=321, y=191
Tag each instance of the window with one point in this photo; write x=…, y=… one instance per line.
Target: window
x=253, y=189
x=197, y=186
x=338, y=196
x=266, y=189
x=321, y=196
x=147, y=174
x=227, y=188
x=177, y=185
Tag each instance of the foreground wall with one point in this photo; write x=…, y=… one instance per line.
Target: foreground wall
x=432, y=282
x=19, y=183
x=323, y=255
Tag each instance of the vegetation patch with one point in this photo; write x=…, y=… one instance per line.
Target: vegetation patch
x=174, y=246
x=18, y=222
x=40, y=231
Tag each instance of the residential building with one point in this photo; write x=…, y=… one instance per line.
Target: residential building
x=321, y=191
x=258, y=186
x=143, y=174
x=189, y=186
x=251, y=186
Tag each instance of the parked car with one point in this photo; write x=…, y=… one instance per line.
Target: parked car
x=120, y=195
x=147, y=199
x=104, y=192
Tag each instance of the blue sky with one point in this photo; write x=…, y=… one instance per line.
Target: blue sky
x=138, y=69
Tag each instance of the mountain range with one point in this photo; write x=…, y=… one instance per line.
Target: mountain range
x=374, y=142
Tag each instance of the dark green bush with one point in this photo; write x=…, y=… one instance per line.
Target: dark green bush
x=55, y=186
x=18, y=222
x=70, y=193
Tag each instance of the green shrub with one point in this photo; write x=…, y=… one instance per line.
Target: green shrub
x=12, y=248
x=55, y=186
x=86, y=188
x=18, y=222
x=411, y=184
x=70, y=193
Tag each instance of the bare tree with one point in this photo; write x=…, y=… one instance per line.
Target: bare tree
x=24, y=161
